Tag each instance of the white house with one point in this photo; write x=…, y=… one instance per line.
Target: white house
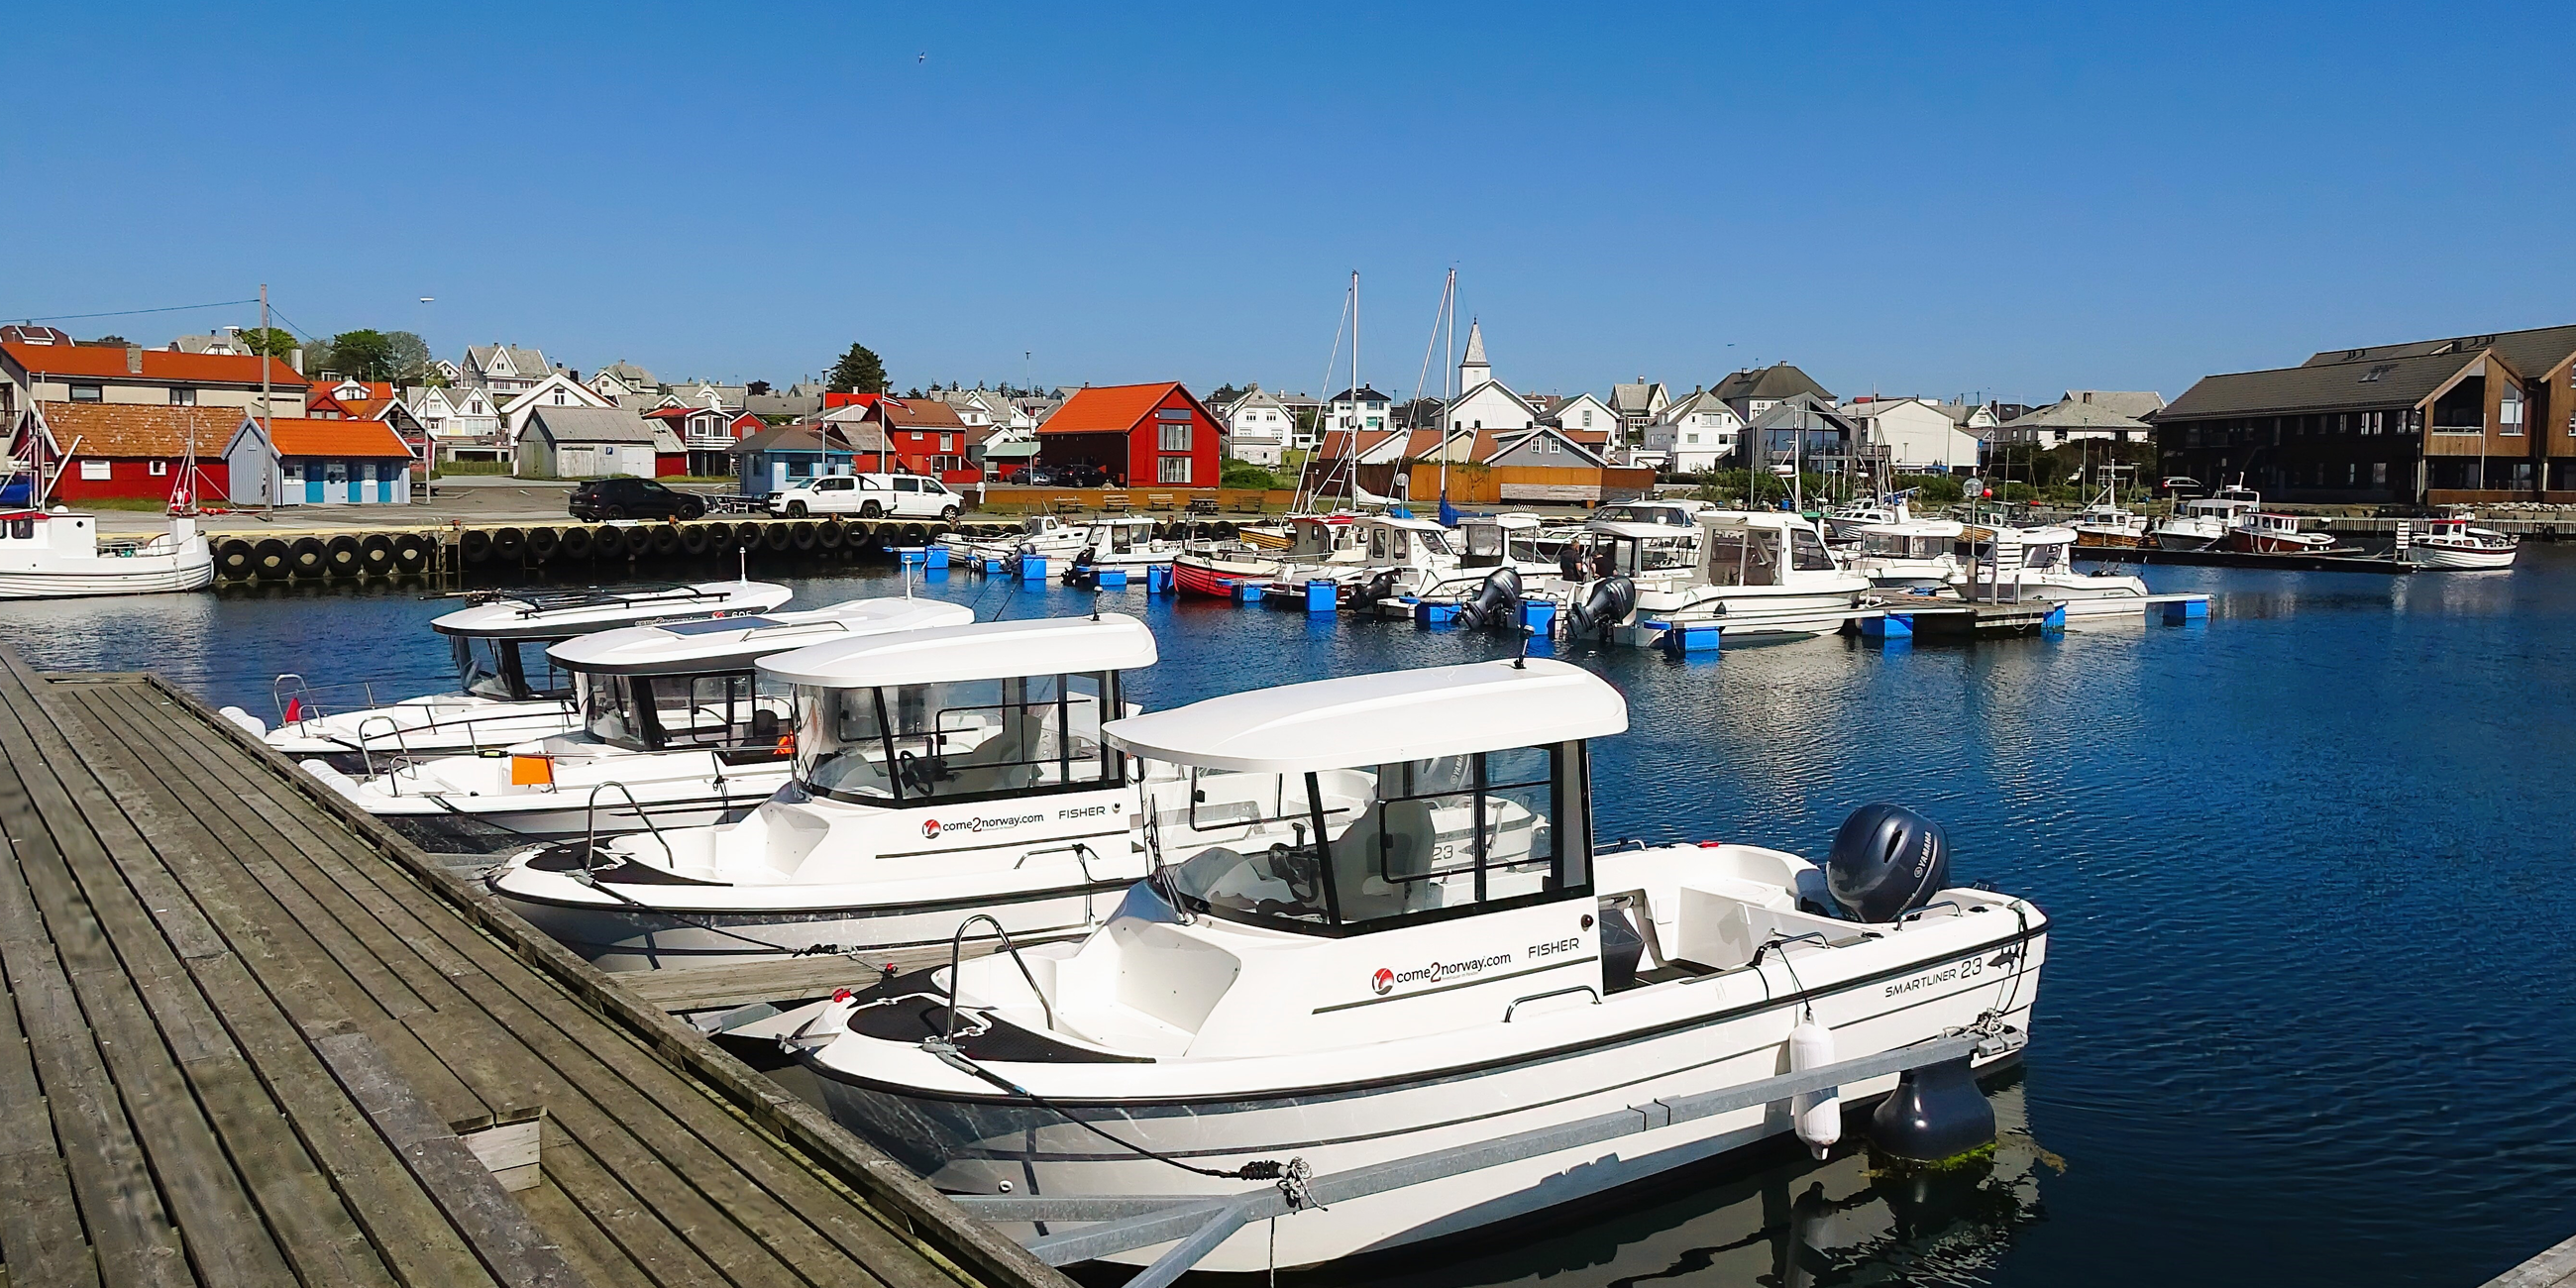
x=2105, y=415
x=462, y=423
x=557, y=389
x=1362, y=410
x=1696, y=434
x=1638, y=403
x=1583, y=413
x=1484, y=403
x=505, y=369
x=1917, y=435
x=622, y=379
x=1258, y=427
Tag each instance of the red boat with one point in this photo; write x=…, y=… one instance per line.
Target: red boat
x=2275, y=534
x=1217, y=575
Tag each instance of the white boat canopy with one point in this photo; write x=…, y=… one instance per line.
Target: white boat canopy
x=1380, y=719
x=1920, y=528
x=690, y=646
x=566, y=613
x=982, y=651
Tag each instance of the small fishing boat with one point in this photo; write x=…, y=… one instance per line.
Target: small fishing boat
x=936, y=774
x=1120, y=541
x=1417, y=948
x=1043, y=535
x=2452, y=542
x=677, y=729
x=1416, y=559
x=1846, y=521
x=59, y=554
x=2027, y=564
x=1312, y=542
x=2204, y=523
x=2256, y=532
x=508, y=690
x=1918, y=555
x=2104, y=523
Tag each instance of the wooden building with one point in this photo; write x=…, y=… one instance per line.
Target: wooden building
x=1143, y=435
x=2467, y=420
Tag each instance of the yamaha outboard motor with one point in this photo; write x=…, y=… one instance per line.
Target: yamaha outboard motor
x=1495, y=601
x=1378, y=587
x=1886, y=861
x=1606, y=602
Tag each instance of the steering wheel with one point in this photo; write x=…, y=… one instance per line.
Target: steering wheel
x=1303, y=875
x=919, y=771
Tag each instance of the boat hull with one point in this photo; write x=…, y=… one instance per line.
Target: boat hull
x=624, y=937
x=981, y=1145
x=156, y=575
x=2461, y=558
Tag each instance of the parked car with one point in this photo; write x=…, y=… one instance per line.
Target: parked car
x=1078, y=474
x=869, y=496
x=633, y=498
x=2181, y=487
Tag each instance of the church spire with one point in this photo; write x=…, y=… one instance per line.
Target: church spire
x=1473, y=370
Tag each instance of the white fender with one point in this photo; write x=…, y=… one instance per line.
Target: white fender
x=246, y=720
x=1818, y=1114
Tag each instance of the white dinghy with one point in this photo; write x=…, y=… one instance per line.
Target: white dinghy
x=507, y=692
x=1417, y=949
x=678, y=729
x=938, y=773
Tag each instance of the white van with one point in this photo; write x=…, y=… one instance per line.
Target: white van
x=869, y=496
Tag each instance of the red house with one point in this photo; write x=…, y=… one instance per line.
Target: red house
x=915, y=436
x=707, y=436
x=1144, y=435
x=129, y=450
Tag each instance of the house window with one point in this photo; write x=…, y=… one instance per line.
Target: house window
x=1175, y=436
x=948, y=442
x=95, y=471
x=85, y=393
x=1173, y=469
x=1587, y=418
x=2509, y=413
x=180, y=397
x=160, y=469
x=559, y=398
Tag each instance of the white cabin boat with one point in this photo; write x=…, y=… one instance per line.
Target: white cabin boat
x=1415, y=948
x=1122, y=541
x=2203, y=524
x=937, y=774
x=1043, y=535
x=1419, y=559
x=1917, y=555
x=2256, y=532
x=2453, y=542
x=2105, y=523
x=2020, y=565
x=58, y=554
x=1846, y=521
x=1752, y=573
x=508, y=690
x=678, y=729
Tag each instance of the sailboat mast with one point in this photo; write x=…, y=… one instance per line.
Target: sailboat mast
x=1351, y=443
x=1448, y=376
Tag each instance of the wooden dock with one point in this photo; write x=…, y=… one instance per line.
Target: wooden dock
x=254, y=1038
x=2553, y=1268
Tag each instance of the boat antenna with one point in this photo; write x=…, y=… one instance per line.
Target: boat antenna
x=1095, y=601
x=742, y=562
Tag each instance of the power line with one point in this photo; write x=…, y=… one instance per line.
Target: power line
x=127, y=313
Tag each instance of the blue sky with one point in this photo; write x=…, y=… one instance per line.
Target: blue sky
x=1911, y=199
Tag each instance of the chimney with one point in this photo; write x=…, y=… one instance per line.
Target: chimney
x=134, y=359
x=295, y=359
x=2088, y=395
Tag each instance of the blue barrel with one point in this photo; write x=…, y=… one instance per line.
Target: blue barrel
x=1111, y=579
x=1322, y=597
x=938, y=556
x=1033, y=568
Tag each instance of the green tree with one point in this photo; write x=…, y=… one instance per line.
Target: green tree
x=410, y=355
x=1225, y=393
x=106, y=342
x=363, y=354
x=859, y=371
x=274, y=342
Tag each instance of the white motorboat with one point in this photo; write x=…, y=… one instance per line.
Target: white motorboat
x=2203, y=524
x=2025, y=564
x=937, y=773
x=2452, y=542
x=2256, y=532
x=2105, y=523
x=58, y=554
x=1123, y=541
x=1043, y=535
x=508, y=690
x=678, y=729
x=1419, y=559
x=1752, y=573
x=1317, y=543
x=1846, y=521
x=1419, y=951
x=1916, y=555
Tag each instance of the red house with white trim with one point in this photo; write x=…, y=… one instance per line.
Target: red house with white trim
x=131, y=451
x=1157, y=435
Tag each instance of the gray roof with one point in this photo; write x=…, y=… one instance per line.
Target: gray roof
x=2071, y=414
x=787, y=404
x=1791, y=411
x=2132, y=403
x=635, y=377
x=528, y=362
x=594, y=425
x=2367, y=382
x=1960, y=413
x=1633, y=396
x=2532, y=353
x=1779, y=380
x=788, y=438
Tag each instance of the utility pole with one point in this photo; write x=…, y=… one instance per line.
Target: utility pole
x=267, y=414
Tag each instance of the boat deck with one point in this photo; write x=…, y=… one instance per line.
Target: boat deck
x=252, y=1037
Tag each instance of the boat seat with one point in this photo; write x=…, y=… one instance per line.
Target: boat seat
x=997, y=764
x=1382, y=865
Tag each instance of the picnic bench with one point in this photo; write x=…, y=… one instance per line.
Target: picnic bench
x=1158, y=501
x=1114, y=502
x=1203, y=505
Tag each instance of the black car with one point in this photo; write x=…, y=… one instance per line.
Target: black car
x=1078, y=474
x=631, y=498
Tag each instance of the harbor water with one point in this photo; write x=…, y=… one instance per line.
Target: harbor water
x=2311, y=1006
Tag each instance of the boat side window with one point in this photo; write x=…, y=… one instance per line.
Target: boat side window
x=1658, y=554
x=1743, y=557
x=1806, y=553
x=1484, y=541
x=1433, y=543
x=609, y=712
x=1378, y=545
x=483, y=666
x=961, y=740
x=2040, y=556
x=533, y=672
x=721, y=709
x=22, y=528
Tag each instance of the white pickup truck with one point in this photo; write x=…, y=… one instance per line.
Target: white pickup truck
x=869, y=496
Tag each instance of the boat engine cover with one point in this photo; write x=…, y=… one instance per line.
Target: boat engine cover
x=1494, y=600
x=1886, y=861
x=1605, y=603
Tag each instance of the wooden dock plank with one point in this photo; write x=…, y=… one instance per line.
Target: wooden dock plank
x=245, y=889
x=40, y=1225
x=2554, y=1267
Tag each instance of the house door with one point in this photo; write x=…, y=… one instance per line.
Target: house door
x=335, y=480
x=290, y=485
x=778, y=476
x=313, y=483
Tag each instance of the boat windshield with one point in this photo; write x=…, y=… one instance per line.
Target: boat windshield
x=2041, y=555
x=919, y=744
x=716, y=710
x=509, y=670
x=1807, y=551
x=1404, y=843
x=1743, y=557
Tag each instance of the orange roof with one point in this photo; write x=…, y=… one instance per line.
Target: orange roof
x=1109, y=409
x=297, y=436
x=138, y=429
x=158, y=364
